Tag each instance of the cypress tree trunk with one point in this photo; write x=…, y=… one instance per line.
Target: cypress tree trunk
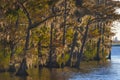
x=77, y=64
x=72, y=48
x=12, y=67
x=51, y=46
x=65, y=16
x=98, y=42
x=4, y=47
x=109, y=57
x=23, y=66
x=12, y=48
x=103, y=47
x=22, y=70
x=98, y=50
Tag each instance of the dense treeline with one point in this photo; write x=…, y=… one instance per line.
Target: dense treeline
x=54, y=33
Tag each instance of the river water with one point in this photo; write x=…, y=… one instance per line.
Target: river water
x=110, y=71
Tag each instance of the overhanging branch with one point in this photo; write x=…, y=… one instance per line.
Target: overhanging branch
x=34, y=25
x=102, y=18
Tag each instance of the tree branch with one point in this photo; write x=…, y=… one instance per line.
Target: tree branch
x=102, y=18
x=36, y=24
x=26, y=12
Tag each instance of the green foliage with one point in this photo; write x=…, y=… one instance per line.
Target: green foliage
x=69, y=35
x=90, y=52
x=41, y=34
x=19, y=50
x=94, y=33
x=4, y=61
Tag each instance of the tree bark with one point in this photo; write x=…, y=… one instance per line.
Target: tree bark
x=23, y=66
x=109, y=56
x=51, y=46
x=22, y=70
x=98, y=43
x=11, y=66
x=77, y=64
x=64, y=28
x=72, y=48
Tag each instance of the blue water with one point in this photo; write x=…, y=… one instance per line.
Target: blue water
x=111, y=72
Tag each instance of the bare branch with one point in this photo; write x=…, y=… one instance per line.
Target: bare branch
x=25, y=11
x=36, y=24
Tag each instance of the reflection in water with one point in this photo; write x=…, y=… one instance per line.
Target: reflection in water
x=110, y=71
x=42, y=74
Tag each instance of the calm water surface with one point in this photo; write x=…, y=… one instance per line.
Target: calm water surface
x=110, y=71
